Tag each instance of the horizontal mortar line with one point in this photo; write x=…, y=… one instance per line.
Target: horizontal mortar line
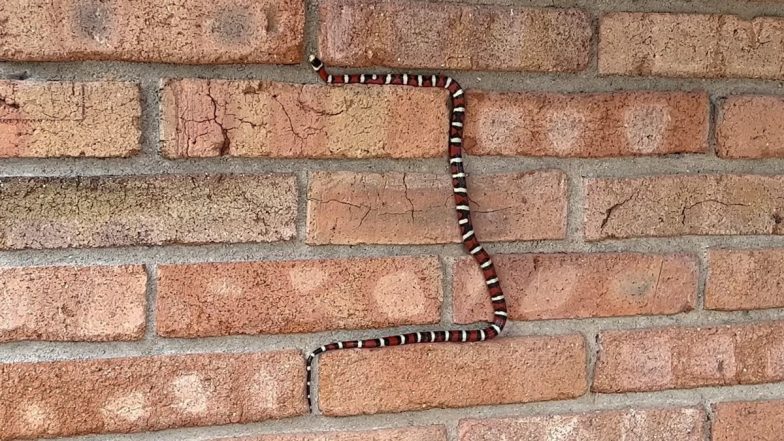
x=37, y=351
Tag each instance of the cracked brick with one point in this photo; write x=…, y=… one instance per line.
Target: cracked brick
x=745, y=279
x=163, y=31
x=751, y=127
x=410, y=208
x=419, y=34
x=677, y=205
x=69, y=119
x=203, y=118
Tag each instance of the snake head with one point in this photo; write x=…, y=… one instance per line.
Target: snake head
x=315, y=62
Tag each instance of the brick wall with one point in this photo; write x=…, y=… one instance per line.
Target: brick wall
x=186, y=211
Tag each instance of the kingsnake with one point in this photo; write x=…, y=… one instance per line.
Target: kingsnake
x=470, y=242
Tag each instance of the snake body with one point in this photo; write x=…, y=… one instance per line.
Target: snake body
x=470, y=242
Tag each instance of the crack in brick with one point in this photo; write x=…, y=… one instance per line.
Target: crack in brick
x=609, y=212
x=725, y=204
x=226, y=144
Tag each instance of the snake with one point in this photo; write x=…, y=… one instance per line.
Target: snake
x=471, y=245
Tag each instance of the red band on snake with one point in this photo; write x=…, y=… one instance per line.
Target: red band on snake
x=470, y=242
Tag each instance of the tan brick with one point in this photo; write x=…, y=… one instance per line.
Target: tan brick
x=430, y=433
x=745, y=279
x=421, y=34
x=587, y=125
x=39, y=120
x=751, y=127
x=142, y=210
x=257, y=118
x=148, y=393
x=551, y=286
x=679, y=424
x=168, y=31
x=748, y=421
x=72, y=303
x=691, y=45
x=659, y=206
x=508, y=370
x=297, y=296
x=682, y=358
x=408, y=208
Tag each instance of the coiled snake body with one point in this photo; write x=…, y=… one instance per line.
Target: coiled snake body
x=470, y=242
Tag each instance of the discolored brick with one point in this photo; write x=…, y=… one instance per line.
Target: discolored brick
x=429, y=433
x=203, y=118
x=587, y=125
x=163, y=31
x=751, y=127
x=748, y=421
x=553, y=286
x=745, y=279
x=421, y=34
x=127, y=395
x=409, y=208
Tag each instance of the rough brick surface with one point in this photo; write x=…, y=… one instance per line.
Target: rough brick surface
x=256, y=118
x=139, y=210
x=678, y=358
x=679, y=424
x=407, y=208
x=69, y=119
x=745, y=279
x=169, y=31
x=148, y=393
x=751, y=127
x=682, y=205
x=72, y=303
x=453, y=36
x=748, y=421
x=587, y=125
x=431, y=433
x=509, y=370
x=691, y=45
x=550, y=286
x=297, y=296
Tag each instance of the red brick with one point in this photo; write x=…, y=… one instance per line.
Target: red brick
x=751, y=127
x=422, y=34
x=682, y=358
x=168, y=31
x=745, y=279
x=551, y=286
x=297, y=296
x=748, y=421
x=508, y=370
x=679, y=424
x=659, y=206
x=39, y=120
x=587, y=125
x=72, y=303
x=257, y=118
x=430, y=433
x=408, y=208
x=146, y=210
x=691, y=45
x=148, y=393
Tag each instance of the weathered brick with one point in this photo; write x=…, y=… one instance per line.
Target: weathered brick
x=430, y=433
x=748, y=421
x=691, y=45
x=587, y=125
x=99, y=119
x=682, y=358
x=297, y=296
x=148, y=393
x=409, y=208
x=745, y=279
x=421, y=34
x=257, y=118
x=751, y=127
x=141, y=210
x=676, y=205
x=168, y=31
x=72, y=303
x=679, y=424
x=509, y=370
x=550, y=286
